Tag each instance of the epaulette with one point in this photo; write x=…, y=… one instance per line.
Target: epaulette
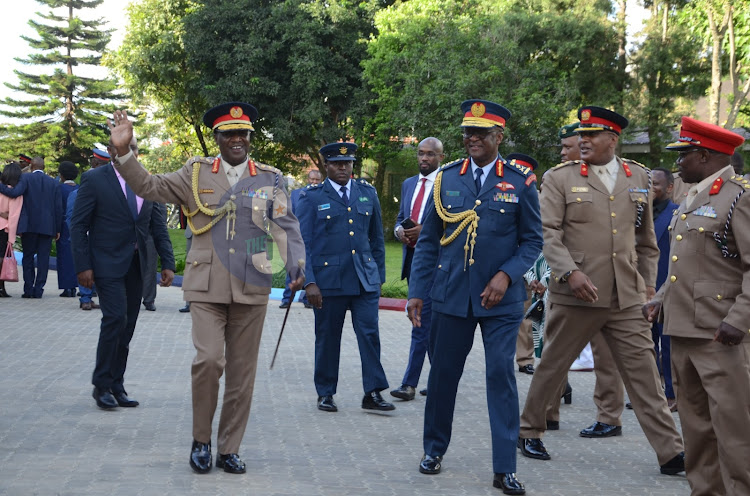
x=522, y=169
x=451, y=164
x=310, y=187
x=633, y=162
x=740, y=181
x=569, y=162
x=203, y=160
x=268, y=168
x=363, y=182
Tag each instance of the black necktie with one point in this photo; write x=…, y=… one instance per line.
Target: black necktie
x=344, y=196
x=478, y=178
x=131, y=201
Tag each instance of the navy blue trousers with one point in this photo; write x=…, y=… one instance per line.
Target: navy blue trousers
x=41, y=246
x=120, y=299
x=329, y=322
x=451, y=341
x=420, y=338
x=663, y=359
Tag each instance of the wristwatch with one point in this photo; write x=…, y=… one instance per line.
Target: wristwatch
x=564, y=277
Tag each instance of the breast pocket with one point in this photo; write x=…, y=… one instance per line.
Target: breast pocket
x=364, y=214
x=579, y=207
x=453, y=205
x=331, y=220
x=700, y=233
x=502, y=216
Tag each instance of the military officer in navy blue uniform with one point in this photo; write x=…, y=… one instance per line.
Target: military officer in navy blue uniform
x=481, y=233
x=343, y=233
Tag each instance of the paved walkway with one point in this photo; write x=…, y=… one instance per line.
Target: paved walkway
x=56, y=441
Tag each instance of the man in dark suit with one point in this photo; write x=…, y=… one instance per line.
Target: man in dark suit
x=343, y=234
x=662, y=182
x=109, y=229
x=40, y=223
x=313, y=177
x=415, y=192
x=481, y=233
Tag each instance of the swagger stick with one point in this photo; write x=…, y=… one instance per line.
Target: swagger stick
x=286, y=314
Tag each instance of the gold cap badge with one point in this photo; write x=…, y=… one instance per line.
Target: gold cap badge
x=585, y=115
x=343, y=150
x=235, y=112
x=478, y=109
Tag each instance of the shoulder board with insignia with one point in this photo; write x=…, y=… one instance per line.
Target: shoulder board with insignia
x=268, y=168
x=363, y=182
x=569, y=162
x=525, y=171
x=739, y=180
x=633, y=162
x=202, y=160
x=451, y=164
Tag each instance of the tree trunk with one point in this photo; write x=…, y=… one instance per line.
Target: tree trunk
x=622, y=62
x=717, y=36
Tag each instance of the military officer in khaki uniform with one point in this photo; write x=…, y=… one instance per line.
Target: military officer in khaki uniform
x=609, y=391
x=236, y=209
x=705, y=303
x=600, y=244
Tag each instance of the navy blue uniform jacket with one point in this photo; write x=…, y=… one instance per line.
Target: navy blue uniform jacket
x=42, y=211
x=509, y=239
x=344, y=243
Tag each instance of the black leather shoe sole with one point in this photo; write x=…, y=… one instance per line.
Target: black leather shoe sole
x=125, y=402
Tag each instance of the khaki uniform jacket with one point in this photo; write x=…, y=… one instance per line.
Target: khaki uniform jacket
x=704, y=287
x=587, y=228
x=218, y=269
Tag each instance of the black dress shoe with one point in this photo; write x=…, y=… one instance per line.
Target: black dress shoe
x=122, y=399
x=373, y=401
x=567, y=395
x=553, y=425
x=675, y=465
x=308, y=305
x=430, y=465
x=629, y=405
x=26, y=295
x=527, y=369
x=533, y=448
x=231, y=463
x=600, y=429
x=200, y=457
x=150, y=306
x=326, y=404
x=104, y=399
x=423, y=392
x=403, y=392
x=186, y=308
x=284, y=304
x=4, y=294
x=508, y=483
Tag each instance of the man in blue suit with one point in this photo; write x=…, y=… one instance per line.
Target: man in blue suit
x=313, y=177
x=662, y=182
x=341, y=225
x=109, y=229
x=481, y=233
x=40, y=222
x=415, y=192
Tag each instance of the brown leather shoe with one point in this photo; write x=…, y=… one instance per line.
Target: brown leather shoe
x=672, y=404
x=86, y=305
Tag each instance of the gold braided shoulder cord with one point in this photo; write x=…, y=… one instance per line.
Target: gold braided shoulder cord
x=229, y=209
x=468, y=219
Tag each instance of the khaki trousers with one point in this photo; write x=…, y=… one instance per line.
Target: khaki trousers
x=226, y=337
x=609, y=391
x=628, y=336
x=714, y=408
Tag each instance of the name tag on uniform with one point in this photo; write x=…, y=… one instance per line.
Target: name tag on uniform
x=506, y=197
x=452, y=193
x=579, y=189
x=325, y=206
x=364, y=199
x=705, y=211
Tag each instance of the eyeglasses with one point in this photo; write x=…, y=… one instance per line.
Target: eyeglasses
x=232, y=133
x=478, y=132
x=681, y=155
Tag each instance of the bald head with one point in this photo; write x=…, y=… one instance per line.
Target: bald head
x=37, y=163
x=429, y=155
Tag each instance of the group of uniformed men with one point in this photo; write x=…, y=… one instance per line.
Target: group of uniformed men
x=471, y=229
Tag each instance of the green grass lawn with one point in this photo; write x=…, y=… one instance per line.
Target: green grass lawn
x=394, y=287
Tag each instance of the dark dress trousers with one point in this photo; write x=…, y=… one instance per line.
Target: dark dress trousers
x=346, y=259
x=106, y=238
x=40, y=221
x=509, y=239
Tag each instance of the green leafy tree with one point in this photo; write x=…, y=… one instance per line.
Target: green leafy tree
x=667, y=69
x=64, y=113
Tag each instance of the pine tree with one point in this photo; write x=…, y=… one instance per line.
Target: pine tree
x=64, y=113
